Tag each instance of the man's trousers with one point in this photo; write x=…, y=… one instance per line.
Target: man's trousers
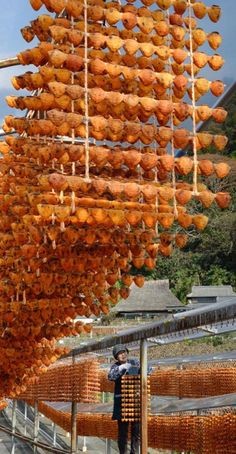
x=123, y=429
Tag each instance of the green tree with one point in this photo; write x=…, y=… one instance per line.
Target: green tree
x=227, y=128
x=208, y=259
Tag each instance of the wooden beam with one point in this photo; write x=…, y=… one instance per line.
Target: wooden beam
x=214, y=313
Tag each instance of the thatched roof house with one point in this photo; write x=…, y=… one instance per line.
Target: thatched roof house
x=208, y=294
x=154, y=298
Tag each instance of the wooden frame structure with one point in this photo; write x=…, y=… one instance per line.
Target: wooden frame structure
x=184, y=321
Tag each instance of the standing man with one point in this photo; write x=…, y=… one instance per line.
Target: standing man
x=121, y=367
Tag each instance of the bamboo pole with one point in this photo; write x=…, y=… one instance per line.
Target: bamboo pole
x=7, y=62
x=184, y=321
x=144, y=397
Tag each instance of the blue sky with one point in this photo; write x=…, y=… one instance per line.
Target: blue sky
x=16, y=14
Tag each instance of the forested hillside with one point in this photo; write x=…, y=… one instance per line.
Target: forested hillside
x=209, y=257
x=228, y=127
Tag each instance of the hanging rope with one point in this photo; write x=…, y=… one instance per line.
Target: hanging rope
x=195, y=160
x=87, y=177
x=173, y=175
x=73, y=170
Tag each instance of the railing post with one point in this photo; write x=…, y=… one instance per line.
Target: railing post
x=144, y=397
x=73, y=418
x=84, y=448
x=73, y=427
x=25, y=418
x=13, y=422
x=36, y=424
x=108, y=442
x=108, y=446
x=54, y=429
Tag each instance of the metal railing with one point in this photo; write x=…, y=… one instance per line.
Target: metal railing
x=38, y=444
x=37, y=431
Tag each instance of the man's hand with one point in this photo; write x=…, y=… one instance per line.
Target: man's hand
x=125, y=366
